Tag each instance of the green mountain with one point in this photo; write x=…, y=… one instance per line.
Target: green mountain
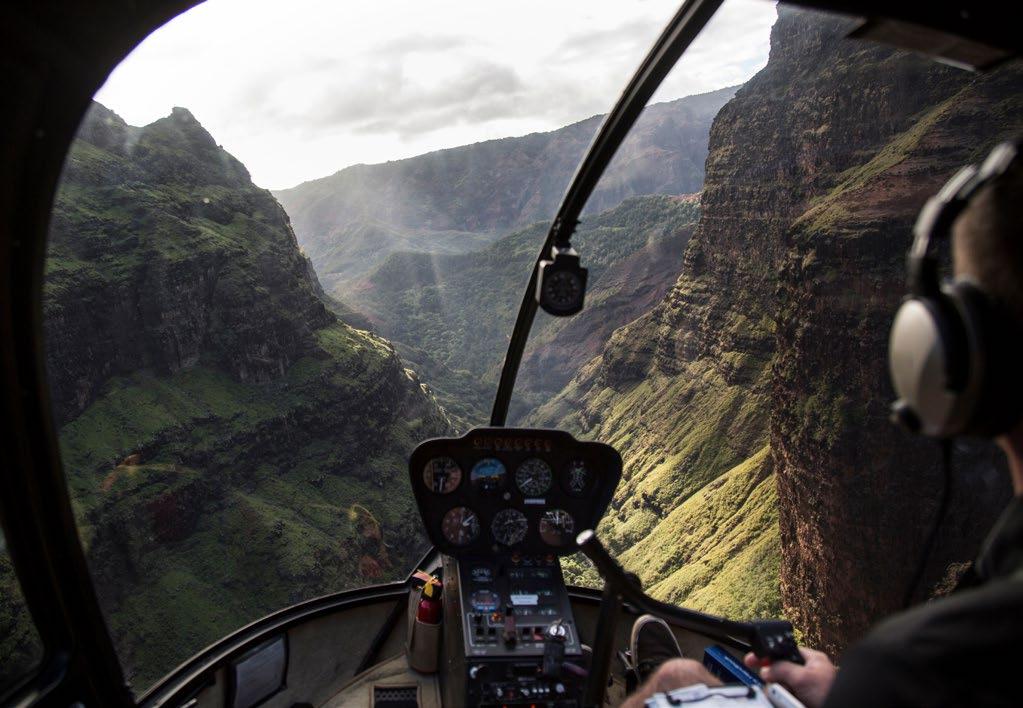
x=750, y=404
x=458, y=200
x=231, y=446
x=450, y=315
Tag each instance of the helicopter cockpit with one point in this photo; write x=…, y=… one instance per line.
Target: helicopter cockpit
x=299, y=447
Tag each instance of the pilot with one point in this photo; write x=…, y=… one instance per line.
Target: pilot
x=963, y=649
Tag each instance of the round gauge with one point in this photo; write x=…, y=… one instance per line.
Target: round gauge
x=533, y=477
x=509, y=526
x=563, y=289
x=442, y=475
x=556, y=527
x=460, y=526
x=484, y=601
x=488, y=474
x=578, y=478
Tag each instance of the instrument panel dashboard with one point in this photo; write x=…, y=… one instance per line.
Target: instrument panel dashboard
x=515, y=490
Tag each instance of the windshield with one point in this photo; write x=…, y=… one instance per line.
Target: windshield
x=748, y=390
x=290, y=241
x=267, y=281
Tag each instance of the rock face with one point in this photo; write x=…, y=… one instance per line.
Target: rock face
x=857, y=495
x=455, y=200
x=768, y=355
x=226, y=438
x=150, y=263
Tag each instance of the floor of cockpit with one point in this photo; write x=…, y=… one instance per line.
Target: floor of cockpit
x=386, y=679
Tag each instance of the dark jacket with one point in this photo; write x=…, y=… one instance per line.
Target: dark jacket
x=963, y=650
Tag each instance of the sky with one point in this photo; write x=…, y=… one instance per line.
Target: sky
x=301, y=89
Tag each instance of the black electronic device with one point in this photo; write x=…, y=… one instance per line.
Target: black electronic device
x=561, y=285
x=505, y=504
x=519, y=637
x=508, y=604
x=953, y=350
x=511, y=490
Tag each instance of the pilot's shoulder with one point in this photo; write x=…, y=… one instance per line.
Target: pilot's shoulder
x=958, y=647
x=989, y=615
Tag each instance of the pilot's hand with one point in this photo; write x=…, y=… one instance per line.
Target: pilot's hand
x=672, y=674
x=809, y=683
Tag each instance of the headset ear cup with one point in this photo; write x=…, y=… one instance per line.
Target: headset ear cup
x=927, y=360
x=994, y=376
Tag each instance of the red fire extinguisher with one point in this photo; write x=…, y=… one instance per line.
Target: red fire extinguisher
x=429, y=608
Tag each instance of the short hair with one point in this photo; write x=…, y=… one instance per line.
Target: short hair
x=988, y=241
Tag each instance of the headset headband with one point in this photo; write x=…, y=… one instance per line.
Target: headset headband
x=941, y=211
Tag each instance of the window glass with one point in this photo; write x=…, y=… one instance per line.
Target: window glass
x=239, y=373
x=20, y=647
x=734, y=344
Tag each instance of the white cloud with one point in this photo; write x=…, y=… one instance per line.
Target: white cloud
x=298, y=90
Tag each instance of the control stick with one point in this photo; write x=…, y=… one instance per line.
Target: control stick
x=768, y=639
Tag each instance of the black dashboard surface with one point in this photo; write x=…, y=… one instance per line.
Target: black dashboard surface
x=512, y=490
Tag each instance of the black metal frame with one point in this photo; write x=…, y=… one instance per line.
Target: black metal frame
x=674, y=40
x=53, y=61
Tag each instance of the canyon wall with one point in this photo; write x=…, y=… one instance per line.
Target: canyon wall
x=750, y=404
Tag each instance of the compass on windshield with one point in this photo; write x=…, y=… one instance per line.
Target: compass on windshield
x=561, y=286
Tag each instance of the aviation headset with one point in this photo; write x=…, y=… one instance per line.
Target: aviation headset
x=953, y=354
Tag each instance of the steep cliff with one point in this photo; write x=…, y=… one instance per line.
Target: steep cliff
x=456, y=200
x=857, y=495
x=774, y=335
x=231, y=446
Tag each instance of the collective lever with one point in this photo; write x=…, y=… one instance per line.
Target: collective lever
x=554, y=649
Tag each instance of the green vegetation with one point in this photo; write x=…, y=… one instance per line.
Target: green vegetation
x=695, y=515
x=450, y=316
x=231, y=447
x=724, y=547
x=20, y=647
x=826, y=211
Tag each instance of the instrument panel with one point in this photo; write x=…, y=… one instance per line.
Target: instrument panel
x=512, y=490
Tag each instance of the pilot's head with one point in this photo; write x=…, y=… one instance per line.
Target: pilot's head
x=988, y=249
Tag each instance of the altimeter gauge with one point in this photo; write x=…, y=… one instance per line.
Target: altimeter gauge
x=442, y=475
x=533, y=477
x=460, y=526
x=556, y=527
x=509, y=526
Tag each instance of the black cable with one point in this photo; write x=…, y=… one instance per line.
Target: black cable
x=939, y=519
